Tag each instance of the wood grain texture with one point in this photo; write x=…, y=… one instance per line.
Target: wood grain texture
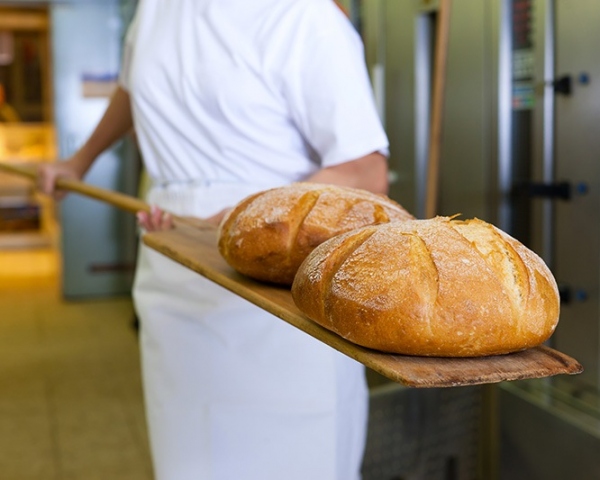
x=196, y=249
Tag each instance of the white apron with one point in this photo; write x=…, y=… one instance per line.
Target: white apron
x=232, y=392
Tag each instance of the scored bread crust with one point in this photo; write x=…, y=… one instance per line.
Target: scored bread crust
x=438, y=287
x=269, y=234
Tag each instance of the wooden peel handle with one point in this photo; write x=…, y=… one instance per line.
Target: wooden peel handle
x=438, y=97
x=119, y=200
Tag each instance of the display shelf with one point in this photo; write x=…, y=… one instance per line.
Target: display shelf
x=25, y=144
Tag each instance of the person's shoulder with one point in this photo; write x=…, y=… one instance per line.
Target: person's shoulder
x=288, y=30
x=319, y=17
x=320, y=9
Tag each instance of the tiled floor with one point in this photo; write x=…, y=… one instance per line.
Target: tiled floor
x=70, y=395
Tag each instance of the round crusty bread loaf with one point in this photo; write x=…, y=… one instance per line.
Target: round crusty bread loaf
x=438, y=287
x=268, y=235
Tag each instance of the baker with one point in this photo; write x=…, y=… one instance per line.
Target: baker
x=227, y=98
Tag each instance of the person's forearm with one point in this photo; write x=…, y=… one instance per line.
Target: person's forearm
x=114, y=124
x=368, y=172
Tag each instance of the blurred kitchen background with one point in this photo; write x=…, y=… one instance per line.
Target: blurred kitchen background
x=520, y=149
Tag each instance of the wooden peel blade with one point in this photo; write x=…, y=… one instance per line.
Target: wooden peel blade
x=198, y=251
x=193, y=244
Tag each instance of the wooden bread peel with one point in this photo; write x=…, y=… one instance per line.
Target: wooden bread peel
x=193, y=244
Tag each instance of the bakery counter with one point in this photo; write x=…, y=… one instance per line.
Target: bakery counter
x=27, y=218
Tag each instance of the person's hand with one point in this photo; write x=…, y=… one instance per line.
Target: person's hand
x=217, y=218
x=48, y=173
x=155, y=220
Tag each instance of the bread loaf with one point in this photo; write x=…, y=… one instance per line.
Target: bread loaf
x=438, y=287
x=269, y=234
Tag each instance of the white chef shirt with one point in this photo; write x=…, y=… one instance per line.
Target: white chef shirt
x=230, y=96
x=232, y=90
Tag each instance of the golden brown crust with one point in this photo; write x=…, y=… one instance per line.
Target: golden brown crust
x=438, y=287
x=268, y=235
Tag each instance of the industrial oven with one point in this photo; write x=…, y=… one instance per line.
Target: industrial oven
x=520, y=148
